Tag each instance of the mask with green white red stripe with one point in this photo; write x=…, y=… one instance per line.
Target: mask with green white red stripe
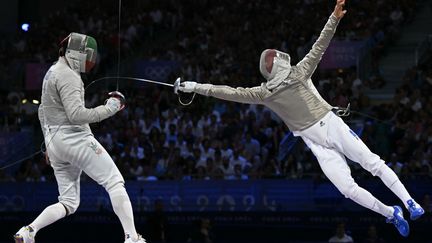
x=80, y=52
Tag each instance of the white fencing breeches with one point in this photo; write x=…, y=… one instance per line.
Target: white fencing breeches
x=330, y=139
x=73, y=149
x=332, y=133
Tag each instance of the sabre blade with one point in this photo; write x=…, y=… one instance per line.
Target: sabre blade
x=152, y=81
x=129, y=78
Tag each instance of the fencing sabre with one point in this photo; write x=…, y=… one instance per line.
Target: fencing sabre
x=175, y=86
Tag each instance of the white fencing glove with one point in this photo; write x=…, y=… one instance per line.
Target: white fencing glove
x=120, y=96
x=187, y=86
x=113, y=104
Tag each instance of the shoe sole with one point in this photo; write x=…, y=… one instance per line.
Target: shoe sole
x=407, y=229
x=18, y=239
x=416, y=216
x=405, y=223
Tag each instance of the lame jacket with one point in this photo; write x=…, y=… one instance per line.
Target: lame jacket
x=62, y=100
x=296, y=100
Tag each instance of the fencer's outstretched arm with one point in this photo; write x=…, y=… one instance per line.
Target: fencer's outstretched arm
x=252, y=95
x=309, y=63
x=71, y=92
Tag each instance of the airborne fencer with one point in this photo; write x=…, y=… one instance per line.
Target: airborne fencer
x=290, y=93
x=70, y=144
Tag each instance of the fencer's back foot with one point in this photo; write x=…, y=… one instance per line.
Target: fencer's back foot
x=18, y=238
x=415, y=210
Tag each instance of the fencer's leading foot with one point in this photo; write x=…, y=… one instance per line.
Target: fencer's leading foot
x=130, y=240
x=25, y=235
x=399, y=222
x=415, y=209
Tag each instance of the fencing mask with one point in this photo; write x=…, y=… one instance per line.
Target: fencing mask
x=275, y=67
x=80, y=52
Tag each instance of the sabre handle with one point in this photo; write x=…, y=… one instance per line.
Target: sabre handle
x=120, y=96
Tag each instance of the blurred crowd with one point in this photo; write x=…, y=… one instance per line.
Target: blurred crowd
x=216, y=41
x=155, y=138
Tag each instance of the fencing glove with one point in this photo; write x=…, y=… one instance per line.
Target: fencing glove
x=187, y=86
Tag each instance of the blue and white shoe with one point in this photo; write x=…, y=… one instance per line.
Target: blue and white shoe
x=415, y=209
x=25, y=235
x=139, y=240
x=399, y=222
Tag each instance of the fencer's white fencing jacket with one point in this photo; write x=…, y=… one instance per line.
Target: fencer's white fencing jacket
x=296, y=100
x=62, y=100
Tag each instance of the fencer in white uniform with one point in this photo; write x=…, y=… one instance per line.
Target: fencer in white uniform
x=290, y=93
x=70, y=144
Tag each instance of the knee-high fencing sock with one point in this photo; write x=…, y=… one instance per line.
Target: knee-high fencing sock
x=367, y=200
x=123, y=209
x=392, y=181
x=50, y=215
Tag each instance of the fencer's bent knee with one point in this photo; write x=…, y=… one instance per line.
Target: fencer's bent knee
x=112, y=180
x=115, y=186
x=379, y=170
x=70, y=205
x=372, y=163
x=349, y=190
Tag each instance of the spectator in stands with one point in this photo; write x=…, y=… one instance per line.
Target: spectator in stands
x=201, y=233
x=341, y=235
x=158, y=224
x=372, y=235
x=251, y=145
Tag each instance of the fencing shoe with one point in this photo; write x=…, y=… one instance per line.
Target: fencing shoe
x=399, y=222
x=25, y=235
x=139, y=240
x=415, y=209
